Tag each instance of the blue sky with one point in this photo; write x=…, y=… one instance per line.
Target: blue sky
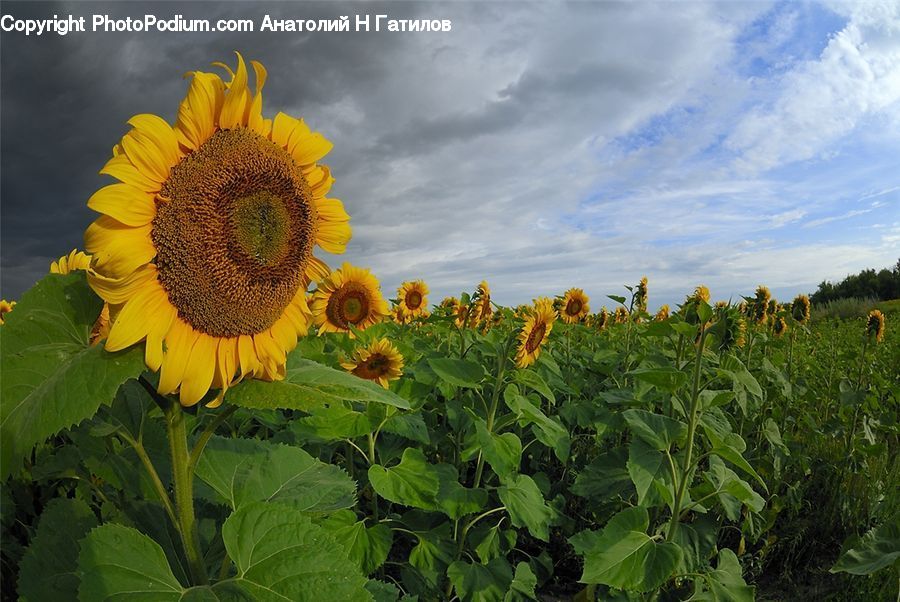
x=539, y=146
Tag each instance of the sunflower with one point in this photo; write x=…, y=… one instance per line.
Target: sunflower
x=759, y=305
x=206, y=242
x=640, y=295
x=621, y=315
x=574, y=306
x=350, y=296
x=729, y=327
x=800, y=309
x=399, y=316
x=481, y=304
x=413, y=298
x=602, y=320
x=534, y=332
x=462, y=315
x=875, y=325
x=5, y=308
x=380, y=361
x=75, y=260
x=780, y=326
x=662, y=314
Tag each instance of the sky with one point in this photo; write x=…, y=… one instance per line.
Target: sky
x=538, y=146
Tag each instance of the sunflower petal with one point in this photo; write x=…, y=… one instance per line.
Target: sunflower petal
x=125, y=203
x=118, y=249
x=179, y=342
x=200, y=370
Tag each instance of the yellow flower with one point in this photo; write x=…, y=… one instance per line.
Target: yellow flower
x=75, y=260
x=875, y=325
x=350, y=296
x=640, y=295
x=462, y=315
x=780, y=327
x=412, y=297
x=800, y=309
x=380, y=361
x=574, y=306
x=621, y=315
x=534, y=332
x=481, y=304
x=701, y=293
x=663, y=313
x=602, y=319
x=759, y=306
x=399, y=316
x=207, y=240
x=5, y=308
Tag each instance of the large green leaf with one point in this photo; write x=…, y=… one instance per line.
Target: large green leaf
x=332, y=423
x=308, y=385
x=878, y=548
x=48, y=569
x=281, y=555
x=461, y=373
x=605, y=477
x=121, y=563
x=481, y=582
x=367, y=547
x=502, y=452
x=725, y=481
x=523, y=584
x=452, y=498
x=532, y=379
x=412, y=482
x=547, y=430
x=624, y=556
x=730, y=446
x=248, y=470
x=666, y=378
x=651, y=474
x=52, y=377
x=526, y=505
x=660, y=432
x=726, y=583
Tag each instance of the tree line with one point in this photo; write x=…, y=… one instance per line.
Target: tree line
x=881, y=285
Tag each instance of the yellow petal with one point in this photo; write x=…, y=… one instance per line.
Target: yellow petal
x=198, y=113
x=120, y=290
x=125, y=203
x=121, y=168
x=247, y=356
x=199, y=373
x=146, y=156
x=118, y=249
x=311, y=149
x=333, y=236
x=317, y=270
x=179, y=342
x=237, y=98
x=160, y=133
x=162, y=321
x=134, y=320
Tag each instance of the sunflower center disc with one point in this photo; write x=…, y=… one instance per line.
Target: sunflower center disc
x=535, y=337
x=348, y=305
x=234, y=234
x=374, y=367
x=413, y=300
x=574, y=307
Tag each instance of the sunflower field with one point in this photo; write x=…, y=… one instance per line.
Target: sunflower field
x=198, y=408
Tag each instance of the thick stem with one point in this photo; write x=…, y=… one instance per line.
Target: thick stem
x=687, y=467
x=183, y=477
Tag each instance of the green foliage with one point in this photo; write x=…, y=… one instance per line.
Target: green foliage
x=877, y=549
x=52, y=377
x=884, y=284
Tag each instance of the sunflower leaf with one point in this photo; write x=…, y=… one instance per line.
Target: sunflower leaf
x=52, y=377
x=308, y=385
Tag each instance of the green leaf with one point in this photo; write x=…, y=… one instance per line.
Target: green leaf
x=452, y=498
x=491, y=542
x=667, y=379
x=383, y=592
x=741, y=376
x=726, y=583
x=461, y=373
x=605, y=477
x=730, y=447
x=624, y=556
x=308, y=385
x=502, y=452
x=523, y=584
x=248, y=470
x=479, y=582
x=52, y=377
x=878, y=548
x=412, y=482
x=409, y=425
x=724, y=480
x=660, y=432
x=332, y=423
x=432, y=555
x=48, y=568
x=773, y=436
x=526, y=505
x=121, y=563
x=650, y=472
x=530, y=378
x=281, y=555
x=548, y=431
x=367, y=547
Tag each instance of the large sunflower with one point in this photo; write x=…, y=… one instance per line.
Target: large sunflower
x=574, y=306
x=380, y=361
x=206, y=241
x=534, y=332
x=350, y=296
x=412, y=297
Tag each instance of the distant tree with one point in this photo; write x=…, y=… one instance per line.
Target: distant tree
x=884, y=284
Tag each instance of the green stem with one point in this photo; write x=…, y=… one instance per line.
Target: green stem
x=183, y=476
x=687, y=467
x=495, y=399
x=154, y=477
x=207, y=434
x=371, y=463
